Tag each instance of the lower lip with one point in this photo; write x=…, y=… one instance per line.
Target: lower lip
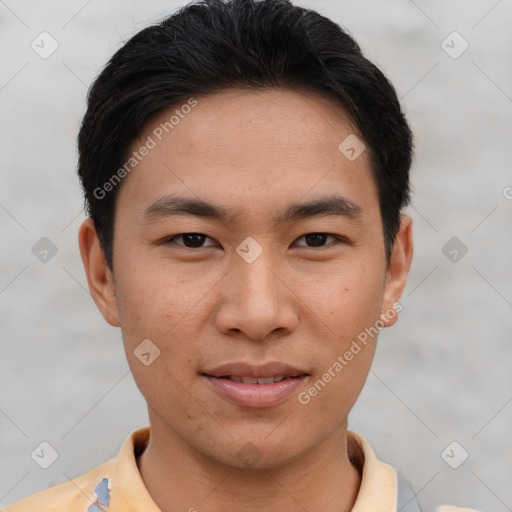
x=256, y=395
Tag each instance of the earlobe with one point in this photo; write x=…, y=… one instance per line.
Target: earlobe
x=99, y=277
x=398, y=270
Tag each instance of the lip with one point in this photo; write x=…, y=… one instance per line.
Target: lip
x=241, y=369
x=255, y=395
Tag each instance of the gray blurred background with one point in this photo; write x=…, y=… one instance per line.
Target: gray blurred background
x=442, y=374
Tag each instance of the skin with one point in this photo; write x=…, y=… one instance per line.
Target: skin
x=253, y=153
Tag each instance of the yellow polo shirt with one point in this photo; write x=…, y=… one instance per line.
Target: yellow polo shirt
x=116, y=485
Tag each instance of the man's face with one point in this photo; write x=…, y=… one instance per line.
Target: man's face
x=256, y=286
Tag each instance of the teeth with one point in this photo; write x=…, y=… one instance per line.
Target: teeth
x=249, y=380
x=260, y=380
x=266, y=380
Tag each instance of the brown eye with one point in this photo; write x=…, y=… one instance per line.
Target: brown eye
x=189, y=240
x=317, y=239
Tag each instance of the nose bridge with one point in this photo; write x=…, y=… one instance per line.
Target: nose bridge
x=255, y=301
x=257, y=282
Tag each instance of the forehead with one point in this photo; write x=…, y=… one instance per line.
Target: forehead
x=241, y=123
x=250, y=148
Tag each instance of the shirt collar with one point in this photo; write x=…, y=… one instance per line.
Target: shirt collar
x=129, y=494
x=378, y=490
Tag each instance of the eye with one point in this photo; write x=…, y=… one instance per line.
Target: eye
x=190, y=240
x=319, y=239
x=196, y=240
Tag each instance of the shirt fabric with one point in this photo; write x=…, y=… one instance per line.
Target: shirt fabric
x=116, y=485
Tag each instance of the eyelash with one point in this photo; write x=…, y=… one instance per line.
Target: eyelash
x=338, y=239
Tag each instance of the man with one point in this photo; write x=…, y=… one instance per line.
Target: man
x=245, y=170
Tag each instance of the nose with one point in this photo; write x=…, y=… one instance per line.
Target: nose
x=256, y=300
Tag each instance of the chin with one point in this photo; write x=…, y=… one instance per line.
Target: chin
x=259, y=452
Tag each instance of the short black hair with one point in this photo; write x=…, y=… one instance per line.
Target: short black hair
x=211, y=45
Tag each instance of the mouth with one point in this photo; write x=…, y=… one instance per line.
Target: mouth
x=255, y=386
x=256, y=380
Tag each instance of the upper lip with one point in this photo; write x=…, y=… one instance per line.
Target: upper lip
x=241, y=369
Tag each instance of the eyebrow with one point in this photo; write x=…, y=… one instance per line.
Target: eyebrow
x=333, y=205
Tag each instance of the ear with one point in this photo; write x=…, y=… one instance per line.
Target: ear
x=398, y=270
x=99, y=276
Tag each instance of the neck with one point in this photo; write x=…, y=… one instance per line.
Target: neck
x=179, y=478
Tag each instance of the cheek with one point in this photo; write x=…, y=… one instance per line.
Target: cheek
x=348, y=300
x=332, y=392
x=170, y=311
x=349, y=305
x=155, y=300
